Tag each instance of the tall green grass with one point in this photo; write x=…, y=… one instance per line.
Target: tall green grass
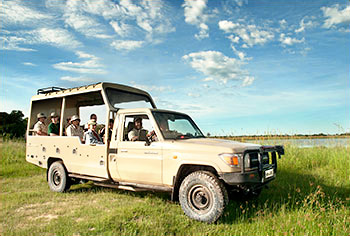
x=311, y=196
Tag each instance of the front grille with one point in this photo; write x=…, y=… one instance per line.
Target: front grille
x=252, y=159
x=265, y=158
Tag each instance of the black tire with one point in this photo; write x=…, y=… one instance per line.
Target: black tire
x=202, y=196
x=58, y=177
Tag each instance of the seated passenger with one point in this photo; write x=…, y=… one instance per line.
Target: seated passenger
x=103, y=130
x=137, y=133
x=54, y=126
x=93, y=117
x=90, y=136
x=74, y=129
x=40, y=128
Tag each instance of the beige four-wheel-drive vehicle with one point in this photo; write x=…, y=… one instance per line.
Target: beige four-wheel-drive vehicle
x=171, y=155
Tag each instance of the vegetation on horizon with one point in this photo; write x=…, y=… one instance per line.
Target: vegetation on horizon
x=310, y=196
x=12, y=125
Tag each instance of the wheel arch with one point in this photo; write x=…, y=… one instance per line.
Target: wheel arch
x=183, y=171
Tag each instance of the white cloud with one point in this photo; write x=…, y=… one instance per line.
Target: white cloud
x=153, y=88
x=54, y=36
x=335, y=15
x=149, y=16
x=78, y=19
x=121, y=29
x=240, y=2
x=77, y=79
x=105, y=8
x=126, y=45
x=249, y=34
x=194, y=95
x=283, y=23
x=286, y=40
x=92, y=18
x=234, y=39
x=304, y=26
x=28, y=64
x=194, y=15
x=248, y=80
x=242, y=56
x=9, y=42
x=57, y=37
x=89, y=66
x=217, y=66
x=208, y=79
x=15, y=12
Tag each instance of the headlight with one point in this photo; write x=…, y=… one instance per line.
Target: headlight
x=231, y=159
x=251, y=160
x=247, y=161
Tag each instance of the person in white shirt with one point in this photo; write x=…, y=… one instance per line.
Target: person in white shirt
x=74, y=128
x=40, y=128
x=137, y=133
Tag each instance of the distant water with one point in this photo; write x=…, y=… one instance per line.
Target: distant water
x=317, y=142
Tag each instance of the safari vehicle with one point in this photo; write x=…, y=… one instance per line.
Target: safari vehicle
x=176, y=157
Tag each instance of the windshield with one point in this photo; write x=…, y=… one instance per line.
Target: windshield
x=124, y=99
x=177, y=126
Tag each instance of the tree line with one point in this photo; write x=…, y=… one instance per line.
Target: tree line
x=13, y=125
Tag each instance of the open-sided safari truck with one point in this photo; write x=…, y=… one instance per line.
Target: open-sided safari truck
x=174, y=155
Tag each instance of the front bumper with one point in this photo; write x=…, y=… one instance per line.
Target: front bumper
x=264, y=169
x=247, y=178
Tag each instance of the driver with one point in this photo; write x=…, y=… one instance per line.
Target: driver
x=137, y=133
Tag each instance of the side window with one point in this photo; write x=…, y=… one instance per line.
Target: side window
x=137, y=127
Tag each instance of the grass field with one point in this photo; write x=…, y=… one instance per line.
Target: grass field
x=311, y=196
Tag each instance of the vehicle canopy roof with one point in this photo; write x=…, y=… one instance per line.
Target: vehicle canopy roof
x=67, y=102
x=54, y=92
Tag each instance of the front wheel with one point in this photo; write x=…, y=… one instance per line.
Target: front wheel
x=202, y=196
x=58, y=177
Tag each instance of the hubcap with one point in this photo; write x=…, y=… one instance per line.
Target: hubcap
x=199, y=198
x=56, y=177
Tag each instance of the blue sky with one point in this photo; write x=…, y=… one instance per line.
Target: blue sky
x=237, y=67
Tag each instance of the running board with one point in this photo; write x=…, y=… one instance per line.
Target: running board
x=87, y=177
x=104, y=182
x=123, y=187
x=148, y=186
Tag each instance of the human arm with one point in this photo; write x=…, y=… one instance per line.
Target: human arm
x=39, y=129
x=132, y=135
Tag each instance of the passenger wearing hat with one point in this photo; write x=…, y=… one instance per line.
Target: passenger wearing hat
x=103, y=130
x=74, y=128
x=40, y=128
x=137, y=133
x=54, y=126
x=91, y=136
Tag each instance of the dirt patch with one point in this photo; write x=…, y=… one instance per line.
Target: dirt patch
x=47, y=217
x=33, y=207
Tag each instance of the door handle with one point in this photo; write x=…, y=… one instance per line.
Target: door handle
x=123, y=151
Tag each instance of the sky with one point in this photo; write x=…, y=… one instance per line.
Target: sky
x=237, y=67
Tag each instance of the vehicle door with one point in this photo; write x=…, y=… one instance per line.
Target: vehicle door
x=136, y=161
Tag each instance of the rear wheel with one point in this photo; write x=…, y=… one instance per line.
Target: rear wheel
x=202, y=196
x=58, y=177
